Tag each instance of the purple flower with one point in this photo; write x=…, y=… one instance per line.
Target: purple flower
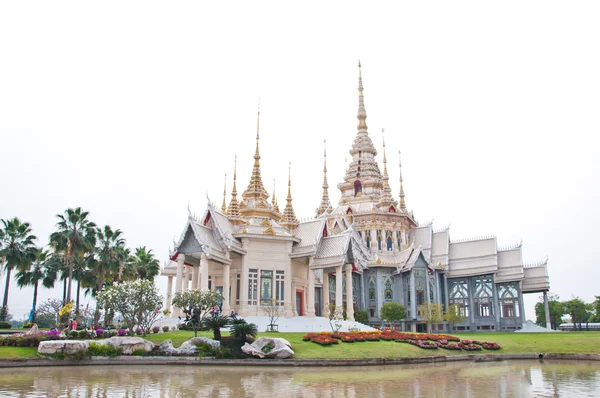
x=121, y=332
x=99, y=332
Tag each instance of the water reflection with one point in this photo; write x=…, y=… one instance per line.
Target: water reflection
x=464, y=379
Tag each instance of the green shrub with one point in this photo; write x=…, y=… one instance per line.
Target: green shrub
x=73, y=334
x=165, y=329
x=268, y=347
x=5, y=325
x=140, y=353
x=362, y=316
x=205, y=349
x=82, y=334
x=103, y=350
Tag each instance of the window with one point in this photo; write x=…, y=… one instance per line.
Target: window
x=378, y=239
x=388, y=294
x=458, y=294
x=237, y=289
x=399, y=239
x=483, y=296
x=508, y=297
x=508, y=310
x=279, y=283
x=420, y=297
x=252, y=286
x=209, y=282
x=372, y=312
x=266, y=287
x=484, y=309
x=389, y=241
x=368, y=233
x=372, y=288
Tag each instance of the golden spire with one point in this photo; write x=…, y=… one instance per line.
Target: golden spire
x=362, y=113
x=289, y=219
x=233, y=212
x=256, y=189
x=386, y=195
x=274, y=199
x=325, y=203
x=224, y=204
x=402, y=203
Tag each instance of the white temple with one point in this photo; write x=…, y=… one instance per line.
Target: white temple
x=366, y=251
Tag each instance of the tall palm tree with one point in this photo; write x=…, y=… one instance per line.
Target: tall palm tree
x=145, y=264
x=17, y=251
x=38, y=271
x=76, y=236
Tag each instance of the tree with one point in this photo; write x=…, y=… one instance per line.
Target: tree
x=392, y=312
x=578, y=310
x=432, y=313
x=35, y=273
x=453, y=315
x=556, y=311
x=596, y=306
x=138, y=302
x=17, y=251
x=196, y=304
x=144, y=263
x=335, y=315
x=76, y=236
x=362, y=316
x=49, y=311
x=242, y=329
x=274, y=311
x=215, y=323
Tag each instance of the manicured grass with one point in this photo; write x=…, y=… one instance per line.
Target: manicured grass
x=511, y=343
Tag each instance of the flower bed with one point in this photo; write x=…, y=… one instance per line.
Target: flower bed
x=422, y=340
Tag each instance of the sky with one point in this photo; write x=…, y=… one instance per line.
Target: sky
x=135, y=111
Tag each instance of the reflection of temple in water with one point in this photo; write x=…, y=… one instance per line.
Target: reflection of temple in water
x=360, y=254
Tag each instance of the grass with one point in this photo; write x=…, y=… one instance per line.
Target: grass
x=511, y=343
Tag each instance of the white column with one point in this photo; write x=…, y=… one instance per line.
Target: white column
x=226, y=283
x=547, y=311
x=179, y=281
x=310, y=295
x=204, y=272
x=339, y=298
x=349, y=297
x=195, y=278
x=325, y=291
x=186, y=278
x=243, y=306
x=288, y=294
x=374, y=238
x=169, y=295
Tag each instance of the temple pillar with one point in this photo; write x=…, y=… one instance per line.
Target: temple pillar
x=413, y=295
x=195, y=278
x=243, y=299
x=204, y=272
x=521, y=305
x=363, y=296
x=169, y=295
x=179, y=281
x=186, y=279
x=310, y=295
x=349, y=296
x=325, y=292
x=226, y=284
x=339, y=295
x=547, y=311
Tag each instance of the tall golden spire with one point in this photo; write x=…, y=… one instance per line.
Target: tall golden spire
x=362, y=113
x=233, y=211
x=256, y=189
x=386, y=193
x=401, y=196
x=289, y=219
x=325, y=205
x=224, y=204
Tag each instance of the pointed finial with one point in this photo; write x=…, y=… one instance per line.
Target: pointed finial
x=402, y=202
x=362, y=113
x=290, y=181
x=384, y=157
x=289, y=219
x=325, y=204
x=224, y=204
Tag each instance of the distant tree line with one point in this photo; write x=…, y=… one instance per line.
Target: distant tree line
x=579, y=311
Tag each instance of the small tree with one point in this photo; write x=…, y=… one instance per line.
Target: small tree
x=50, y=310
x=392, y=312
x=215, y=323
x=274, y=311
x=335, y=316
x=241, y=330
x=362, y=316
x=453, y=315
x=432, y=313
x=196, y=304
x=138, y=303
x=555, y=307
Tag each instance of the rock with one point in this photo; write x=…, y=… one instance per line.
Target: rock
x=205, y=340
x=282, y=348
x=127, y=345
x=51, y=347
x=167, y=346
x=188, y=347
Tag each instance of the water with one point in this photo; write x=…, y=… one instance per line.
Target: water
x=462, y=379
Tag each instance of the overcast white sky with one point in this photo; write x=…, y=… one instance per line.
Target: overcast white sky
x=132, y=110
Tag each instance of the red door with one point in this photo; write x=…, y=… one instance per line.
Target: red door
x=300, y=302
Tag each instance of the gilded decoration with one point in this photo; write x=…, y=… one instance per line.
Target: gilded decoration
x=269, y=231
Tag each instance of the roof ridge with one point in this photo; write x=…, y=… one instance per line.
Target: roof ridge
x=473, y=238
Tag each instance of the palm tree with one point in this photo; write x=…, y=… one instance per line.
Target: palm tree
x=145, y=264
x=216, y=323
x=38, y=271
x=241, y=330
x=17, y=251
x=76, y=236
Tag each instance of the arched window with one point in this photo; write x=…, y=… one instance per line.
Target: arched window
x=389, y=241
x=399, y=238
x=508, y=297
x=368, y=233
x=378, y=239
x=459, y=296
x=372, y=288
x=357, y=187
x=388, y=294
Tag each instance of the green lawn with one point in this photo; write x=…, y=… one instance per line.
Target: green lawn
x=511, y=343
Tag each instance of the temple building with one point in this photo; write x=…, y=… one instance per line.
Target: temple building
x=360, y=254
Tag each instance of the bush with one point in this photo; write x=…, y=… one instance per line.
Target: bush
x=205, y=350
x=82, y=334
x=121, y=332
x=5, y=325
x=268, y=347
x=103, y=350
x=155, y=329
x=362, y=316
x=140, y=353
x=73, y=334
x=165, y=329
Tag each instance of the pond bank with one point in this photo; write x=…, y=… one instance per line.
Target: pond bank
x=141, y=360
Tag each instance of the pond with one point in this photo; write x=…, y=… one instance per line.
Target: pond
x=461, y=379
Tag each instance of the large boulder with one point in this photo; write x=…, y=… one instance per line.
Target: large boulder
x=51, y=347
x=127, y=345
x=189, y=347
x=281, y=348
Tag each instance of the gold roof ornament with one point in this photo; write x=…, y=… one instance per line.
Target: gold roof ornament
x=386, y=200
x=233, y=211
x=325, y=205
x=274, y=199
x=401, y=195
x=289, y=220
x=224, y=204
